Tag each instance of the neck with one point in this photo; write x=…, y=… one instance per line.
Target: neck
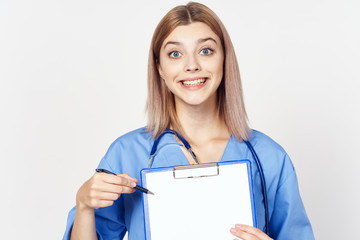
x=201, y=123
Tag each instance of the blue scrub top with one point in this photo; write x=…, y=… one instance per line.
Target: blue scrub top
x=130, y=153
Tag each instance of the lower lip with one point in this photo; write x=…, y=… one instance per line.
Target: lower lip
x=195, y=87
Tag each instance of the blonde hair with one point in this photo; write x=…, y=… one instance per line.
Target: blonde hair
x=160, y=103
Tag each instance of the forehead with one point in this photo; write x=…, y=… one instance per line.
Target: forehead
x=191, y=33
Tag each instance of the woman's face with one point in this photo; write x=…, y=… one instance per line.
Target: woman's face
x=191, y=64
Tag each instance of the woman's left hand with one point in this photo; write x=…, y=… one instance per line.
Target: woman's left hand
x=246, y=232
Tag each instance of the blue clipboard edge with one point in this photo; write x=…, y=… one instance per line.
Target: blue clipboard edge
x=161, y=169
x=145, y=196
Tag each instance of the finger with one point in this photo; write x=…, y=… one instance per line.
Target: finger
x=98, y=194
x=128, y=176
x=125, y=189
x=126, y=180
x=253, y=231
x=107, y=187
x=114, y=188
x=106, y=196
x=117, y=179
x=243, y=235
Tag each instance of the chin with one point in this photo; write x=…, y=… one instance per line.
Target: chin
x=196, y=102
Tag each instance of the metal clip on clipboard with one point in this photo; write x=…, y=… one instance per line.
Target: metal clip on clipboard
x=185, y=195
x=196, y=171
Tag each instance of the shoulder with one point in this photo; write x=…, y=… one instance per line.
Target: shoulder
x=261, y=140
x=271, y=154
x=128, y=152
x=265, y=145
x=138, y=140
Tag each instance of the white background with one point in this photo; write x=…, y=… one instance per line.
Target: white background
x=73, y=79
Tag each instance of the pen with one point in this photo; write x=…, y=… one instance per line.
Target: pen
x=141, y=189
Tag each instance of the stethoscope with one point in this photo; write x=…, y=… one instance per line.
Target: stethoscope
x=188, y=148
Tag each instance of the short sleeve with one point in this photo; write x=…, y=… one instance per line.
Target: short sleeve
x=289, y=218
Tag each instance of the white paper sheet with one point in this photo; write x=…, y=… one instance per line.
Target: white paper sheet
x=198, y=208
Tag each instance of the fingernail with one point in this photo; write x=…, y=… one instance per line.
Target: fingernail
x=233, y=230
x=239, y=226
x=133, y=184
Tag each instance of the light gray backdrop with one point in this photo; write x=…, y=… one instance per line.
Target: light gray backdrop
x=73, y=79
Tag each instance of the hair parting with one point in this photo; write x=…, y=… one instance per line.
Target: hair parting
x=160, y=103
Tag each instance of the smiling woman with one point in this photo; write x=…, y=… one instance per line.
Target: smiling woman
x=191, y=65
x=230, y=105
x=194, y=91
x=191, y=62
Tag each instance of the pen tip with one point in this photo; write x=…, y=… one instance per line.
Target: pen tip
x=150, y=192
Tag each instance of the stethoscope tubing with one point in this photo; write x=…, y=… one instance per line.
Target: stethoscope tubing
x=263, y=184
x=156, y=143
x=253, y=153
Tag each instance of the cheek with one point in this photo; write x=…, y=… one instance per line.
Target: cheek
x=218, y=68
x=169, y=71
x=215, y=66
x=168, y=68
x=169, y=75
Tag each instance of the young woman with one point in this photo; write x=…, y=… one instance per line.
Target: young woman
x=194, y=89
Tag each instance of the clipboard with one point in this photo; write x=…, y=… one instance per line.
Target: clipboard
x=201, y=201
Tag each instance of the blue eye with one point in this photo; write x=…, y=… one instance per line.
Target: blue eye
x=175, y=54
x=206, y=51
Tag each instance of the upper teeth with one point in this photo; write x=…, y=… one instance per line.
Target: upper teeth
x=194, y=82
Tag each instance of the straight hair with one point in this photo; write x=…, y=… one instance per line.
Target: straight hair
x=160, y=102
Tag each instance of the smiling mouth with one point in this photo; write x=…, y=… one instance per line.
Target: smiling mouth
x=195, y=82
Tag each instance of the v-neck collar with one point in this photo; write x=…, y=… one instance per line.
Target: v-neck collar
x=228, y=146
x=174, y=156
x=224, y=156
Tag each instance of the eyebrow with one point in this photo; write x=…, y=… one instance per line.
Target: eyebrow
x=201, y=40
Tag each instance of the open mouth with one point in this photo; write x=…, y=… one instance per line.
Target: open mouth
x=195, y=82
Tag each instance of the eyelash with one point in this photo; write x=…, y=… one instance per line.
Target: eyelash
x=176, y=51
x=208, y=48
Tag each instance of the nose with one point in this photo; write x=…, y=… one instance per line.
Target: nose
x=192, y=64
